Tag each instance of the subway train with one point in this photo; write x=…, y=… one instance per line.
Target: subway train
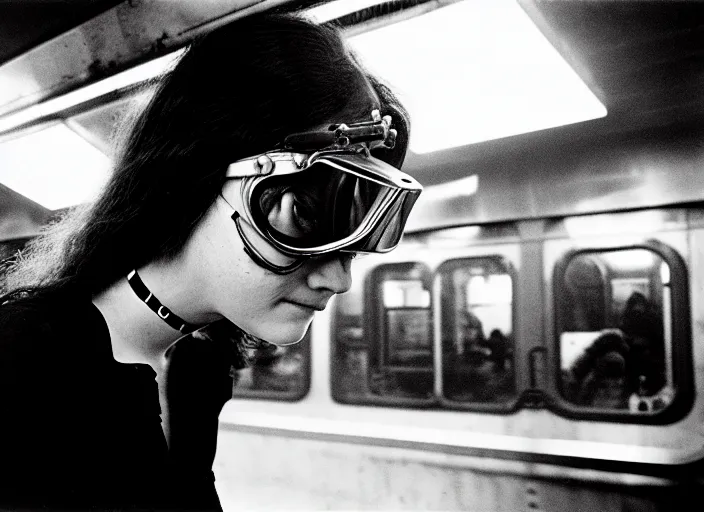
x=536, y=341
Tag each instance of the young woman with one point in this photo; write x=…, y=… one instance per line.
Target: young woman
x=266, y=160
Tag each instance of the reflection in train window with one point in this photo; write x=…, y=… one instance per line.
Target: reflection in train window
x=384, y=354
x=615, y=330
x=277, y=373
x=477, y=330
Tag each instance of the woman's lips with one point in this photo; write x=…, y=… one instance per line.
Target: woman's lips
x=313, y=306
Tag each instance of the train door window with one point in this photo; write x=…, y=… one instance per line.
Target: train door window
x=276, y=373
x=477, y=331
x=616, y=329
x=384, y=354
x=350, y=347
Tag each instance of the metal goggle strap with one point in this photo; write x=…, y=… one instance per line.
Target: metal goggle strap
x=339, y=198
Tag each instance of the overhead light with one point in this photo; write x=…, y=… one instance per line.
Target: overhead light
x=333, y=10
x=65, y=171
x=629, y=260
x=453, y=236
x=611, y=224
x=473, y=71
x=462, y=187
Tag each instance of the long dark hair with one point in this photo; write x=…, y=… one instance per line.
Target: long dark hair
x=236, y=92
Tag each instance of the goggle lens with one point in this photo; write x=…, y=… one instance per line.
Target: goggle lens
x=324, y=205
x=387, y=234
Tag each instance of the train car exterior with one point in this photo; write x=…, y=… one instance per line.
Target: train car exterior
x=509, y=355
x=446, y=379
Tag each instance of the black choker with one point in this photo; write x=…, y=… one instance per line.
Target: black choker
x=141, y=290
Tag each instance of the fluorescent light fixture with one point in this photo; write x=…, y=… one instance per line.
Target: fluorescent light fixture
x=473, y=71
x=53, y=167
x=492, y=289
x=462, y=187
x=461, y=234
x=332, y=10
x=630, y=259
x=613, y=224
x=132, y=76
x=405, y=294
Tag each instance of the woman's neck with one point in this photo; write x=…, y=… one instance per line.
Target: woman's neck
x=138, y=334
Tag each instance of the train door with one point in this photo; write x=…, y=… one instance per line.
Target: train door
x=384, y=348
x=476, y=326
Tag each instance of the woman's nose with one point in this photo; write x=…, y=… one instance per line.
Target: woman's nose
x=332, y=273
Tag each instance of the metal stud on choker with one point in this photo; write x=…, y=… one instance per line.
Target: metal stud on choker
x=141, y=290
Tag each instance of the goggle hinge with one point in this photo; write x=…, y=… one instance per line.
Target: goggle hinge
x=263, y=165
x=299, y=159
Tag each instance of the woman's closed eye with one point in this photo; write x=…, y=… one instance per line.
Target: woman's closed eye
x=305, y=214
x=294, y=214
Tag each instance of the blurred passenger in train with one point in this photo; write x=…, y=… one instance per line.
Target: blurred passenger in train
x=500, y=348
x=598, y=378
x=232, y=215
x=641, y=323
x=472, y=336
x=478, y=373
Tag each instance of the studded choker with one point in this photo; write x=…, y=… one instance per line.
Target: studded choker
x=141, y=290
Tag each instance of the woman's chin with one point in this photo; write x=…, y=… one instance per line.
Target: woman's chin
x=283, y=335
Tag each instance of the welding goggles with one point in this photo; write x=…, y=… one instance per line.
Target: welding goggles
x=324, y=192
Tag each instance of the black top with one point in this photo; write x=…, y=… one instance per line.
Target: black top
x=79, y=430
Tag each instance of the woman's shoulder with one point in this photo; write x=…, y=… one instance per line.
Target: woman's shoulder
x=24, y=313
x=32, y=324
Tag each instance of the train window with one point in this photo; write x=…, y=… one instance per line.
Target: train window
x=615, y=329
x=384, y=353
x=277, y=373
x=350, y=357
x=477, y=331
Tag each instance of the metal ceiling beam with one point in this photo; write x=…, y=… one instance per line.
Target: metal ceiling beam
x=130, y=33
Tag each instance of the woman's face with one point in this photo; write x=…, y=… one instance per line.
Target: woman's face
x=276, y=308
x=273, y=307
